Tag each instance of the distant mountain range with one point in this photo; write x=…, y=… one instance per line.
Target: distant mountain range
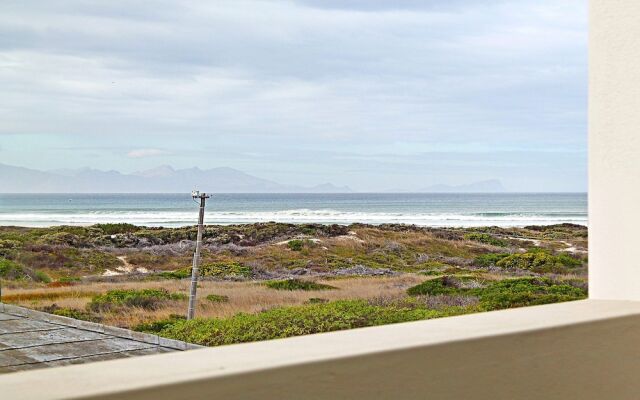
x=163, y=179
x=166, y=179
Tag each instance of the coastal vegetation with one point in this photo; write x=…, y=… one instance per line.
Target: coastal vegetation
x=298, y=320
x=272, y=280
x=297, y=284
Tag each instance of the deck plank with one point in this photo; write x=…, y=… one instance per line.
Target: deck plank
x=25, y=325
x=31, y=339
x=49, y=337
x=61, y=351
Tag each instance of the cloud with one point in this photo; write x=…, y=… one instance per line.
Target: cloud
x=144, y=153
x=244, y=76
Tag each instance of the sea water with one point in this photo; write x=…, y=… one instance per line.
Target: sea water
x=425, y=209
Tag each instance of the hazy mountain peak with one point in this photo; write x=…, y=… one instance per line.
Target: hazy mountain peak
x=331, y=188
x=162, y=179
x=161, y=171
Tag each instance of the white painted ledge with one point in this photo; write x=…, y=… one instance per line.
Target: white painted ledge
x=585, y=349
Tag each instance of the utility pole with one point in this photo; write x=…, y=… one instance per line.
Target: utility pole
x=195, y=269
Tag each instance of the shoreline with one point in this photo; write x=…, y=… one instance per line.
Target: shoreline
x=479, y=224
x=432, y=210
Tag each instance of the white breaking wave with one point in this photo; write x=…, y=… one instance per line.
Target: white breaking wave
x=182, y=218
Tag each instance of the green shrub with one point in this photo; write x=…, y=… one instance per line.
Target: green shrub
x=448, y=284
x=114, y=229
x=568, y=261
x=489, y=260
x=68, y=279
x=157, y=326
x=486, y=239
x=177, y=274
x=218, y=298
x=41, y=276
x=297, y=284
x=149, y=299
x=12, y=270
x=217, y=269
x=100, y=260
x=432, y=287
x=225, y=269
x=507, y=293
x=295, y=244
x=294, y=321
x=75, y=314
x=62, y=238
x=433, y=272
x=178, y=296
x=8, y=244
x=521, y=292
x=539, y=261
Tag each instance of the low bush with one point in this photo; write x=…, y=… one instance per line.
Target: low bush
x=294, y=321
x=62, y=238
x=486, y=239
x=8, y=244
x=182, y=273
x=297, y=284
x=114, y=229
x=539, y=261
x=178, y=296
x=68, y=279
x=489, y=260
x=295, y=244
x=507, y=293
x=432, y=287
x=217, y=298
x=226, y=269
x=71, y=313
x=157, y=326
x=42, y=276
x=510, y=293
x=149, y=299
x=229, y=269
x=447, y=285
x=12, y=270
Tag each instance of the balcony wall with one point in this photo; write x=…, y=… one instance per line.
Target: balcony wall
x=583, y=350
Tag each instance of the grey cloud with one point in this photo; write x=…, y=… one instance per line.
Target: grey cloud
x=318, y=74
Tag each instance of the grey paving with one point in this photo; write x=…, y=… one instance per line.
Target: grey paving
x=32, y=339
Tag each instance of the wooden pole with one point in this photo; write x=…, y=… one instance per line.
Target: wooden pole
x=195, y=269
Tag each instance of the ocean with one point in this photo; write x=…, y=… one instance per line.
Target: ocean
x=425, y=209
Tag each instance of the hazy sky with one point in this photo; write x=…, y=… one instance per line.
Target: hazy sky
x=372, y=94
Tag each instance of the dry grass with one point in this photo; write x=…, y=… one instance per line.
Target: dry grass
x=248, y=297
x=41, y=294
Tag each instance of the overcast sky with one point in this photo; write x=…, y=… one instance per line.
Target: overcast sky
x=372, y=94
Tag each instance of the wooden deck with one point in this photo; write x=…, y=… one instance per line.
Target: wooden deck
x=32, y=339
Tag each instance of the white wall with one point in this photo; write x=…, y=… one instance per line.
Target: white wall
x=614, y=149
x=556, y=351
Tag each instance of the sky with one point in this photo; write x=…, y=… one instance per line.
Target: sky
x=376, y=95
